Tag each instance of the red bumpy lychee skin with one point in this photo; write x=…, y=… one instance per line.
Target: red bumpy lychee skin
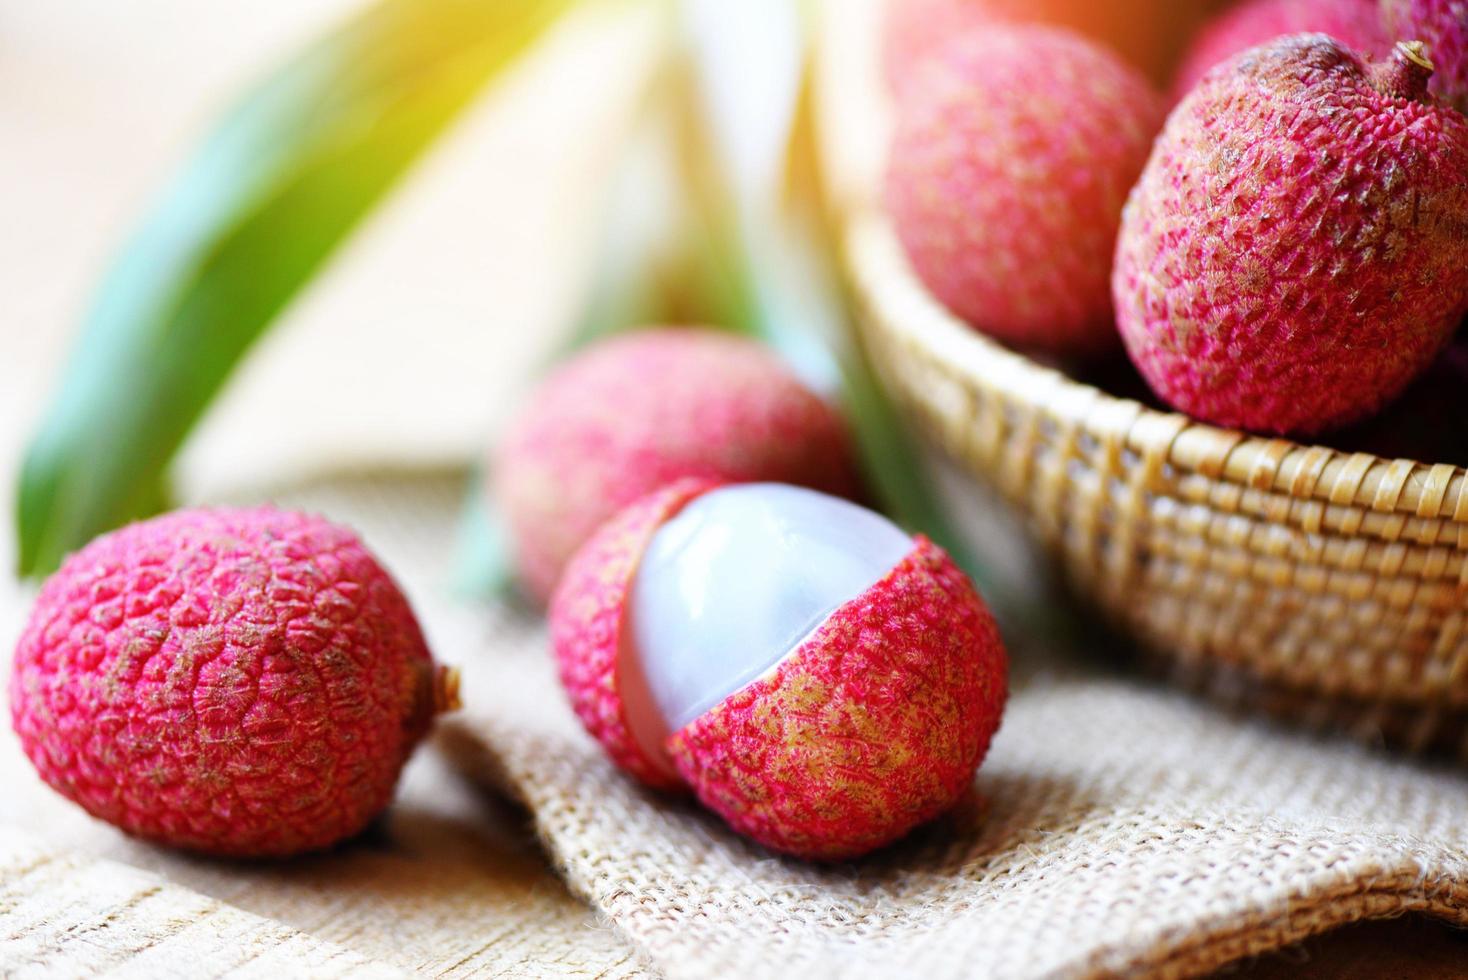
x=1355, y=23
x=242, y=683
x=873, y=725
x=587, y=621
x=1297, y=250
x=1442, y=25
x=1014, y=151
x=640, y=410
x=1147, y=33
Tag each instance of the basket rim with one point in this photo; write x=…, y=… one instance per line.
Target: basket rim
x=854, y=120
x=893, y=299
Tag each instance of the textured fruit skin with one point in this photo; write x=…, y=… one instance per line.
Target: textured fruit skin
x=1013, y=155
x=586, y=616
x=1443, y=26
x=873, y=726
x=242, y=683
x=1297, y=250
x=1355, y=23
x=643, y=409
x=1146, y=33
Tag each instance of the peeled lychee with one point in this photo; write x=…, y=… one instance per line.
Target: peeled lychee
x=637, y=411
x=1147, y=33
x=1297, y=250
x=237, y=682
x=820, y=679
x=1442, y=25
x=1014, y=151
x=1355, y=23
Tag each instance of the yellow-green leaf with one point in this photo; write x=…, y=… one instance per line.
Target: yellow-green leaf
x=280, y=182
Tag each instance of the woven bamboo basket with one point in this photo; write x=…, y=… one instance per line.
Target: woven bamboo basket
x=1325, y=586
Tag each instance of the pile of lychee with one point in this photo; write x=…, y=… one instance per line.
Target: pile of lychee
x=726, y=619
x=1280, y=243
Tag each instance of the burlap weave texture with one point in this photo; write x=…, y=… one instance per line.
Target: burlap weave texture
x=1116, y=828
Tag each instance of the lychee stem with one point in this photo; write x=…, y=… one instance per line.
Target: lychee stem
x=446, y=690
x=1406, y=75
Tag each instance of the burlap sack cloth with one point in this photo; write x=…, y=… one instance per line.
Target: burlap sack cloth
x=1114, y=828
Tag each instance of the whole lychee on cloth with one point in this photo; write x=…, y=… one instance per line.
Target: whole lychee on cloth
x=1442, y=25
x=1297, y=250
x=642, y=409
x=1148, y=34
x=821, y=680
x=1354, y=23
x=1014, y=151
x=242, y=683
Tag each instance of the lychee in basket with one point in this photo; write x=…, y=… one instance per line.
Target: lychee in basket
x=1317, y=584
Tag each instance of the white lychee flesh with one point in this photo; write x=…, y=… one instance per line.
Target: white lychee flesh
x=731, y=585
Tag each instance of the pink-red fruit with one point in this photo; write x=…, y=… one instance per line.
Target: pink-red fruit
x=1014, y=151
x=1297, y=250
x=1442, y=25
x=1148, y=34
x=244, y=683
x=820, y=680
x=1354, y=23
x=637, y=411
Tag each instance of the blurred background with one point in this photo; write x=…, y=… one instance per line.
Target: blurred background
x=444, y=300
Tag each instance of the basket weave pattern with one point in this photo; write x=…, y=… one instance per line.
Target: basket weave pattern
x=1298, y=575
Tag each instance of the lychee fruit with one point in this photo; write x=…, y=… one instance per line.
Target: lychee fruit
x=1013, y=154
x=1148, y=34
x=1297, y=250
x=639, y=410
x=1355, y=23
x=1442, y=25
x=821, y=680
x=242, y=683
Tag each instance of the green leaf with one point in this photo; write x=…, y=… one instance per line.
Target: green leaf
x=632, y=283
x=269, y=195
x=757, y=207
x=637, y=271
x=482, y=564
x=757, y=200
